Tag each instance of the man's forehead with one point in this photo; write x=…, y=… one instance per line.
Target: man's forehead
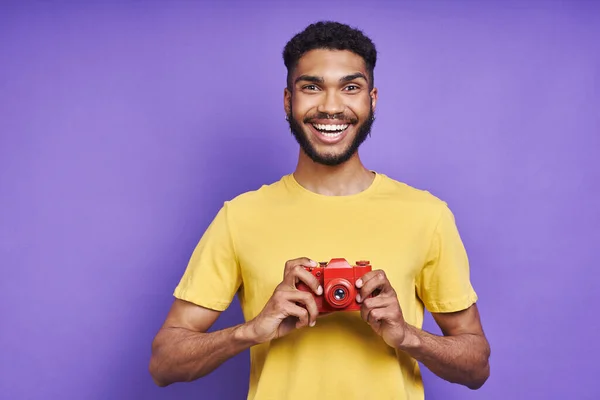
x=330, y=63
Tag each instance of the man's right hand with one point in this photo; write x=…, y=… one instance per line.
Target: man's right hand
x=282, y=314
x=183, y=350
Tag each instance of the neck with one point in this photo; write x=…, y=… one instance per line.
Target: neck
x=349, y=178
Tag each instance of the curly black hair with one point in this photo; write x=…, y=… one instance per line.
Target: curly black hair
x=330, y=35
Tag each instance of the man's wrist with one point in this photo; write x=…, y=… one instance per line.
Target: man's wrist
x=411, y=340
x=245, y=334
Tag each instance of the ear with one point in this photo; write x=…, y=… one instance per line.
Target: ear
x=287, y=98
x=373, y=96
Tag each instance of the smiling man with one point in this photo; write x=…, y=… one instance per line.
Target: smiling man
x=261, y=245
x=337, y=128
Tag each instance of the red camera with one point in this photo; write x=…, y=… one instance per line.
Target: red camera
x=338, y=279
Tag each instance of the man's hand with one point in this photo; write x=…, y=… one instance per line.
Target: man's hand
x=288, y=308
x=460, y=356
x=380, y=307
x=183, y=351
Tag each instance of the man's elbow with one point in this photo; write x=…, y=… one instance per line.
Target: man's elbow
x=160, y=383
x=481, y=371
x=163, y=376
x=158, y=378
x=481, y=376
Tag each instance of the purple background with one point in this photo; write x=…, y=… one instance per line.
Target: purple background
x=125, y=125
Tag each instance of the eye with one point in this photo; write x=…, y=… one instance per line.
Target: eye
x=351, y=88
x=310, y=87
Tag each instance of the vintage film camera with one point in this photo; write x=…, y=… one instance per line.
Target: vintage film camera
x=338, y=279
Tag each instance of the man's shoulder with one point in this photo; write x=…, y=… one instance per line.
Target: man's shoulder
x=407, y=193
x=261, y=196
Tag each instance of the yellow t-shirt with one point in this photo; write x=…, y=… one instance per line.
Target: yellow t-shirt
x=408, y=233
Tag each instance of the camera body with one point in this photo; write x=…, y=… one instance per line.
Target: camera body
x=338, y=279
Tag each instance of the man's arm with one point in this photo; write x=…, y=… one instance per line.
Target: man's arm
x=182, y=351
x=460, y=356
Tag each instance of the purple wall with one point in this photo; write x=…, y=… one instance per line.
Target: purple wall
x=124, y=127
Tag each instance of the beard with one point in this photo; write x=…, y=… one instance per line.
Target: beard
x=363, y=131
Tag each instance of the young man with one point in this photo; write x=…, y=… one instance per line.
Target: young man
x=260, y=243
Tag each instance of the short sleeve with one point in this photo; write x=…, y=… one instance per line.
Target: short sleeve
x=212, y=277
x=443, y=283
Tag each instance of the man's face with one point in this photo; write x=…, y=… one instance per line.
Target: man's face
x=330, y=108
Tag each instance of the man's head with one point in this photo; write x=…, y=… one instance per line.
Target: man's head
x=330, y=95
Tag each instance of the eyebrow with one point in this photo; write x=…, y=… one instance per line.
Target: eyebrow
x=317, y=79
x=309, y=78
x=352, y=77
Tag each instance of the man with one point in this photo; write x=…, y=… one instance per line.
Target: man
x=260, y=243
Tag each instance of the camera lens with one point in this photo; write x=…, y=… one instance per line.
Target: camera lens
x=339, y=294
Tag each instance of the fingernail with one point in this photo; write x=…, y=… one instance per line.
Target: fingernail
x=320, y=290
x=359, y=283
x=312, y=262
x=358, y=298
x=313, y=323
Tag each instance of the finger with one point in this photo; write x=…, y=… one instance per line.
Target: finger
x=304, y=261
x=292, y=310
x=376, y=308
x=298, y=273
x=307, y=300
x=376, y=315
x=375, y=274
x=371, y=304
x=367, y=276
x=374, y=284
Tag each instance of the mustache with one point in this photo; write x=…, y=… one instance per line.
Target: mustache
x=336, y=117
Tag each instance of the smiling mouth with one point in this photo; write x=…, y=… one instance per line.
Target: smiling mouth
x=331, y=130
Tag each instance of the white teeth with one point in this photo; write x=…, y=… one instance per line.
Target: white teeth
x=330, y=128
x=323, y=127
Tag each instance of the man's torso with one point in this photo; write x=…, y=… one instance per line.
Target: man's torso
x=390, y=225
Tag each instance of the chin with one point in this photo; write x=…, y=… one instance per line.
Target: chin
x=329, y=157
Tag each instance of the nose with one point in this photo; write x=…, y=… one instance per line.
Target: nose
x=332, y=104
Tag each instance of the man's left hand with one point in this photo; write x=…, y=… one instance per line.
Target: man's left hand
x=380, y=307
